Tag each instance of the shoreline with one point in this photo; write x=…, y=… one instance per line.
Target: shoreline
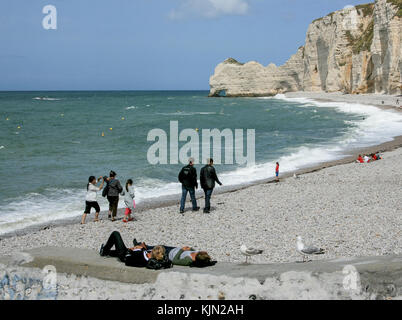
x=173, y=200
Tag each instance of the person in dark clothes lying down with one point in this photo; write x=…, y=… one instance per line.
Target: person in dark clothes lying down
x=137, y=256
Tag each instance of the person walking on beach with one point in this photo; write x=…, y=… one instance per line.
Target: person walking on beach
x=277, y=172
x=208, y=178
x=90, y=198
x=188, y=180
x=114, y=188
x=129, y=201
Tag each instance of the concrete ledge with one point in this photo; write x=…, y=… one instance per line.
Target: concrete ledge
x=89, y=263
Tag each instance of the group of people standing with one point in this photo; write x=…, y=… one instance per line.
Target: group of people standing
x=111, y=191
x=188, y=180
x=113, y=188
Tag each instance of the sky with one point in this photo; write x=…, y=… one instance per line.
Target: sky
x=146, y=44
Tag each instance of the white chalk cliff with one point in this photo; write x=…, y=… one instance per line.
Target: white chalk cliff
x=354, y=50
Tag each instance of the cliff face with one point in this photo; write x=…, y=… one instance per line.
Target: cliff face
x=354, y=50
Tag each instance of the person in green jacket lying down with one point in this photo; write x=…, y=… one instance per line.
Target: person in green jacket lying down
x=187, y=256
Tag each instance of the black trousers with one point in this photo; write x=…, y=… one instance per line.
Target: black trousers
x=113, y=203
x=116, y=241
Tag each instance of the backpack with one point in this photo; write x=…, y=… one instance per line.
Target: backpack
x=105, y=191
x=154, y=264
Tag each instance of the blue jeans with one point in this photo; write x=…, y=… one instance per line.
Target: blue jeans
x=184, y=196
x=208, y=194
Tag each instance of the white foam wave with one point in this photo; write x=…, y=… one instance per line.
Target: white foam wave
x=131, y=108
x=376, y=126
x=2, y=147
x=181, y=113
x=46, y=99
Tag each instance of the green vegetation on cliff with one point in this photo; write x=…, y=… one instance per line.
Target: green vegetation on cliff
x=398, y=4
x=233, y=61
x=362, y=43
x=367, y=9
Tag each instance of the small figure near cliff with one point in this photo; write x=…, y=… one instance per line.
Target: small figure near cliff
x=277, y=172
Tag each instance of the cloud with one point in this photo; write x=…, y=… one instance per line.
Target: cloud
x=209, y=8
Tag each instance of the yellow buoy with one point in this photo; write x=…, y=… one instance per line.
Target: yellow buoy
x=7, y=119
x=122, y=118
x=18, y=127
x=110, y=129
x=196, y=129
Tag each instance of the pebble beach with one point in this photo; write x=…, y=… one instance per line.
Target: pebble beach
x=349, y=210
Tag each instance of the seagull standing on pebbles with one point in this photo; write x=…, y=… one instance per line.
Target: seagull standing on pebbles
x=248, y=252
x=307, y=250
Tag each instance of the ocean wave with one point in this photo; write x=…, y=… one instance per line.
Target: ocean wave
x=46, y=99
x=131, y=108
x=376, y=126
x=2, y=147
x=182, y=113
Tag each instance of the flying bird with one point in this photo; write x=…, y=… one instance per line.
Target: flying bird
x=305, y=251
x=248, y=252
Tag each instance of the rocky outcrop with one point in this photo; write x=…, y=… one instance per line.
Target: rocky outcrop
x=354, y=50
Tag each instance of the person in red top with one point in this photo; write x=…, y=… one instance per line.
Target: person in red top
x=360, y=159
x=277, y=171
x=374, y=157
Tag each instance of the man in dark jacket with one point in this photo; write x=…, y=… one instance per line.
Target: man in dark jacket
x=113, y=191
x=208, y=178
x=188, y=180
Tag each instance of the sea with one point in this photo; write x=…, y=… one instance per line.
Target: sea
x=51, y=142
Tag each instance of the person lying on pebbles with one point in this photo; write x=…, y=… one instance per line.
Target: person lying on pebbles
x=137, y=256
x=183, y=256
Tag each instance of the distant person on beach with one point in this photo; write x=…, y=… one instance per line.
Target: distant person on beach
x=366, y=159
x=208, y=178
x=277, y=171
x=136, y=256
x=114, y=188
x=188, y=180
x=129, y=201
x=184, y=256
x=90, y=198
x=360, y=159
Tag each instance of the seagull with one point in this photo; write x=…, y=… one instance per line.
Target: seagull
x=307, y=250
x=295, y=176
x=248, y=252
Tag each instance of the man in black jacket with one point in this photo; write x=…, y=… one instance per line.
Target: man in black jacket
x=208, y=178
x=188, y=180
